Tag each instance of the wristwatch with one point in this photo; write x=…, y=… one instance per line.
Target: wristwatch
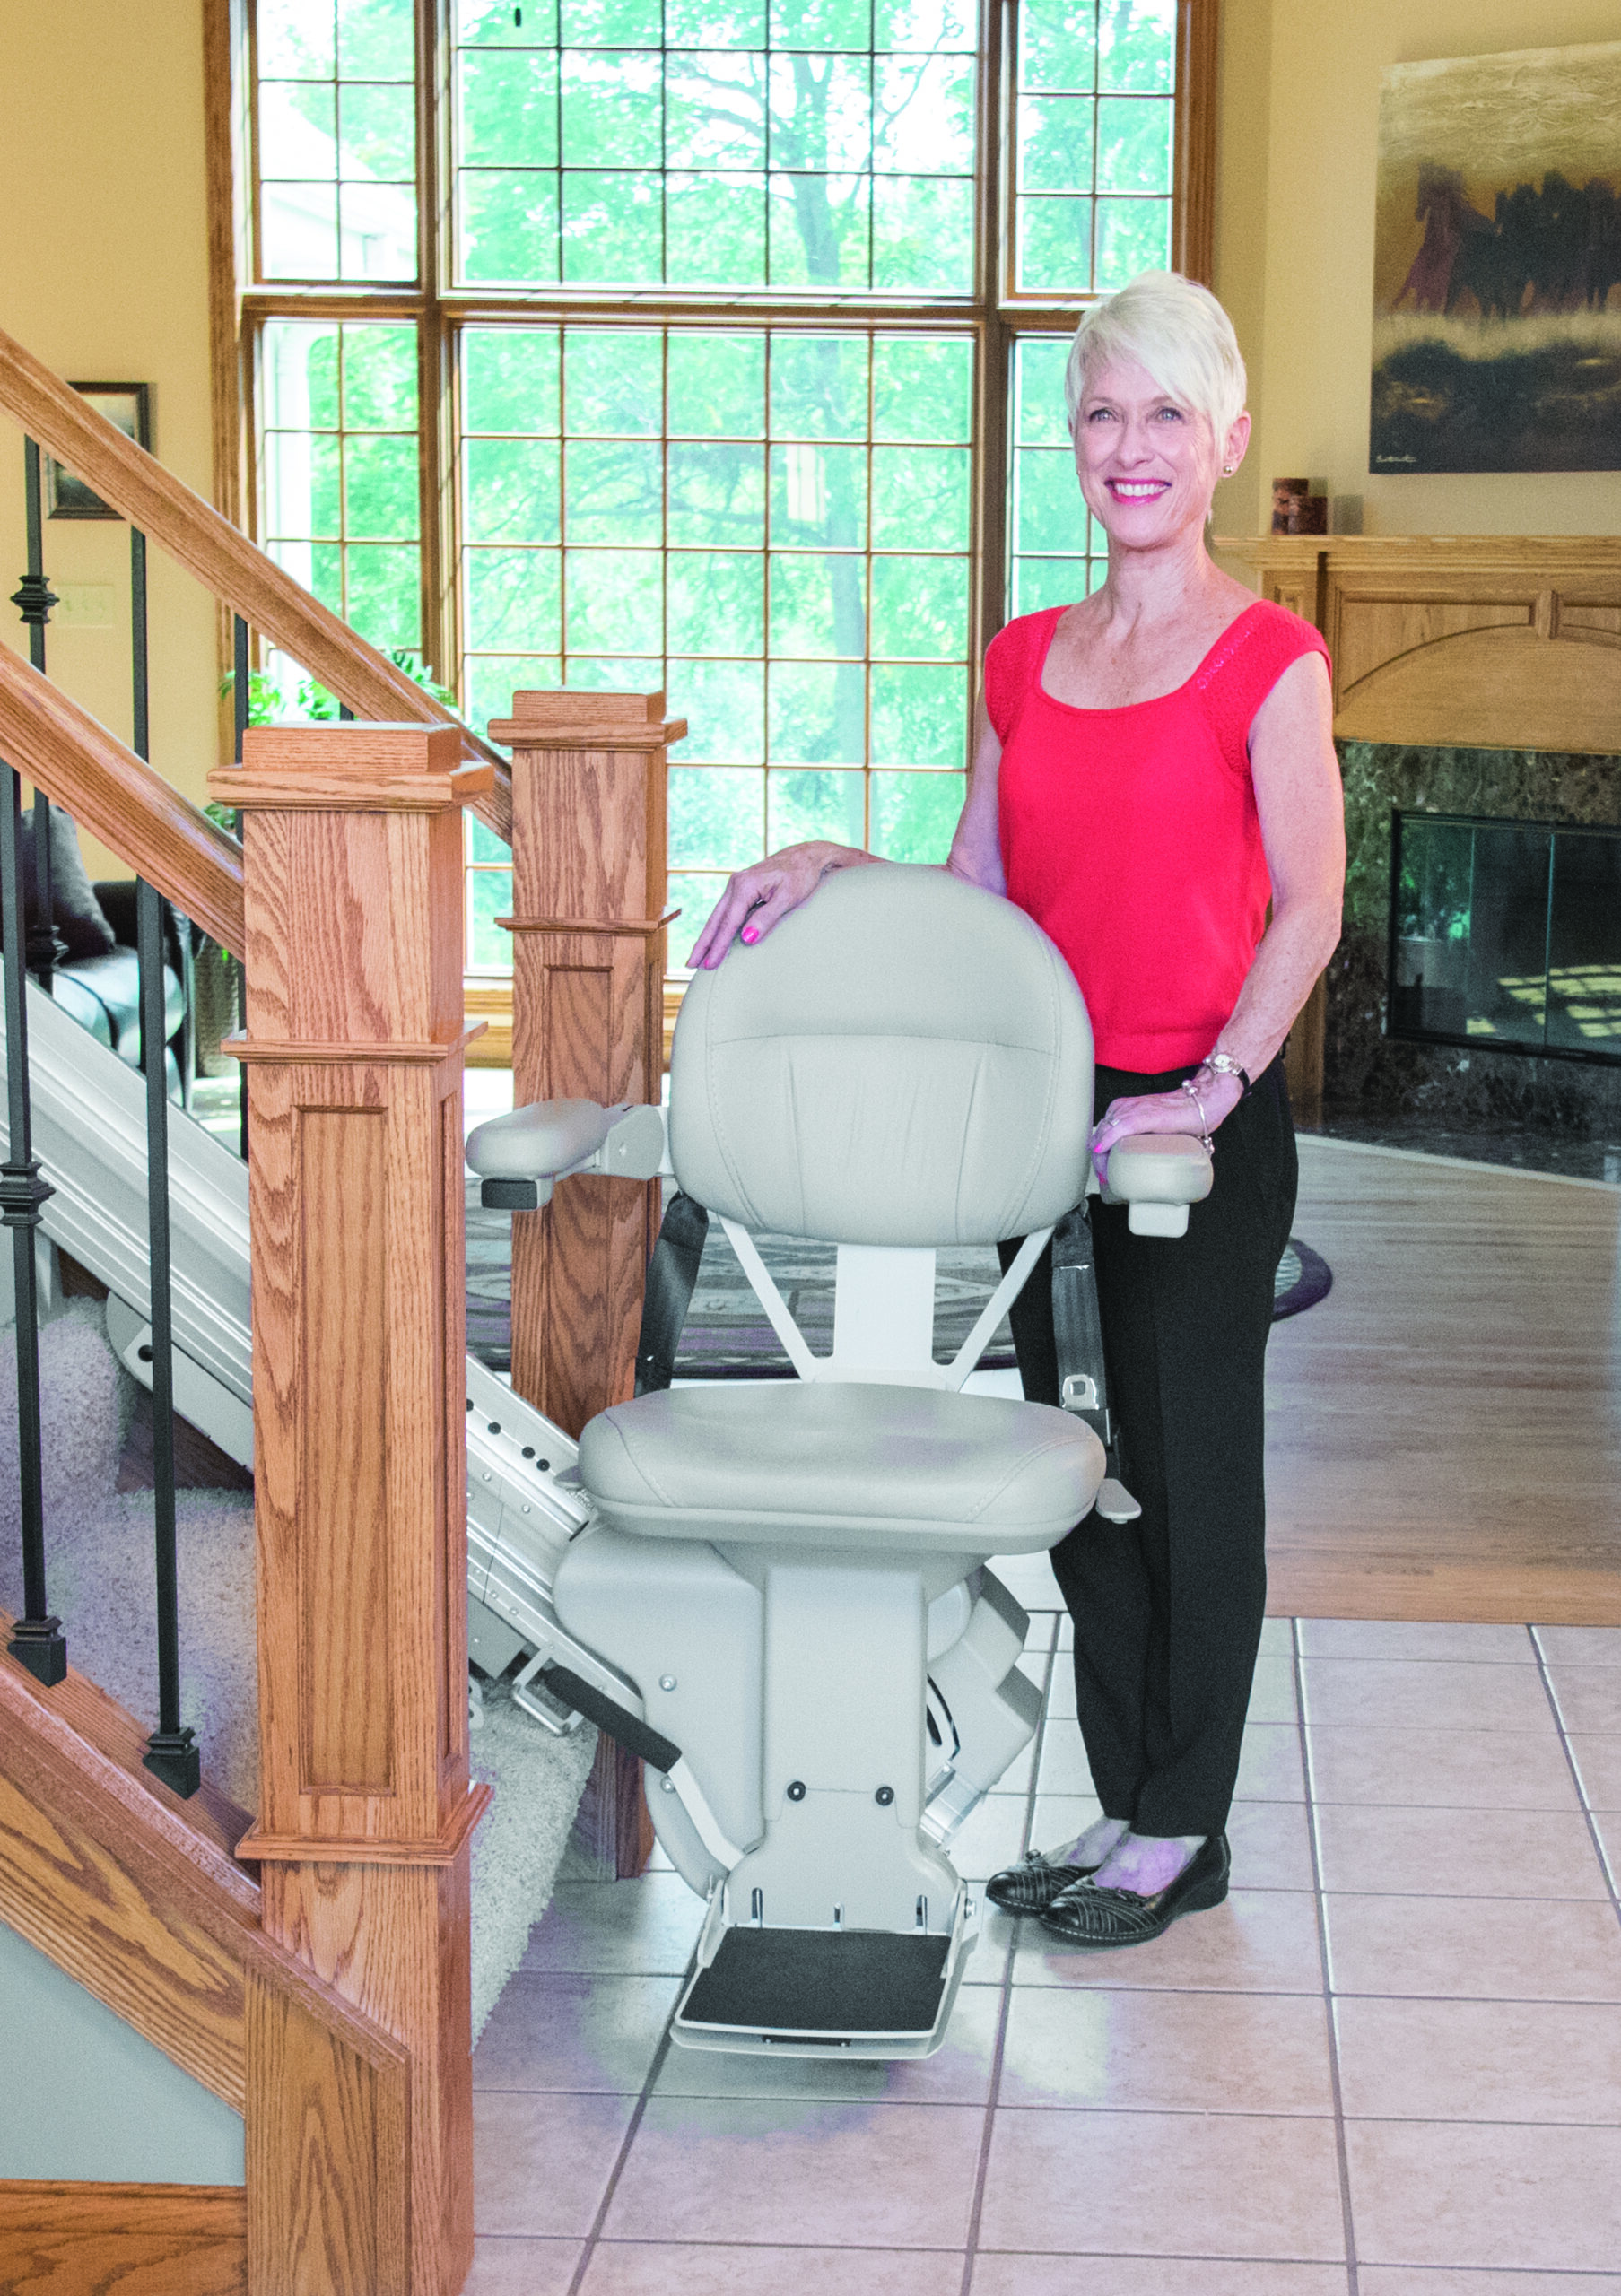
x=1224, y=1064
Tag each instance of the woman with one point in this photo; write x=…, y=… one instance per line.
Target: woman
x=1152, y=766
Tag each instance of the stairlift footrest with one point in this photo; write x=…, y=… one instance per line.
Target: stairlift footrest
x=800, y=1992
x=821, y=1982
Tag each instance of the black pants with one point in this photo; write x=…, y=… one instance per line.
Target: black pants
x=1168, y=1609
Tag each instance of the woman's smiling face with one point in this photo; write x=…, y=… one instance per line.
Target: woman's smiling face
x=1148, y=464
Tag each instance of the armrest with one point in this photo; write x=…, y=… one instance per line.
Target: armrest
x=1159, y=1174
x=519, y=1157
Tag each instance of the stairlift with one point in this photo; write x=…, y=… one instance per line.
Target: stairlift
x=777, y=1593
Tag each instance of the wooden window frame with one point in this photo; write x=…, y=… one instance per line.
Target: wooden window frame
x=239, y=303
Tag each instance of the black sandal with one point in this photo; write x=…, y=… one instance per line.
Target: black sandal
x=1032, y=1885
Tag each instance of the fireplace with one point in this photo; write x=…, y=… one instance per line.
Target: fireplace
x=1506, y=936
x=1477, y=715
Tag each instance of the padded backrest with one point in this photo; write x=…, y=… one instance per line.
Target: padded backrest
x=903, y=1060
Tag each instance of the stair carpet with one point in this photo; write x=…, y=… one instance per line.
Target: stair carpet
x=100, y=1560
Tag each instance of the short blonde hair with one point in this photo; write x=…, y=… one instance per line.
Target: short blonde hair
x=1178, y=331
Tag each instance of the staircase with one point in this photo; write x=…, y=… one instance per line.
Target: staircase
x=308, y=1966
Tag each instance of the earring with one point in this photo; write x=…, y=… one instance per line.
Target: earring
x=1228, y=469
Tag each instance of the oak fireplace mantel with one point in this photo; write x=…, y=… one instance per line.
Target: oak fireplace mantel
x=1478, y=641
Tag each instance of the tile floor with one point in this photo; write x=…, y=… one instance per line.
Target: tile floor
x=1389, y=2065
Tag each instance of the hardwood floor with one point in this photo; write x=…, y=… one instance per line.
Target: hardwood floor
x=1445, y=1430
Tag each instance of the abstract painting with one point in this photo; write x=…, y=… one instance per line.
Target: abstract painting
x=1497, y=263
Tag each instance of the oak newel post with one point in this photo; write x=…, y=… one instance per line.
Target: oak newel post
x=587, y=964
x=354, y=1043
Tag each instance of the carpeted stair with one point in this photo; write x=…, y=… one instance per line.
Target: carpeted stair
x=99, y=1559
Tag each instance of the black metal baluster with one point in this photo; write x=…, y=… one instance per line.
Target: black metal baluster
x=141, y=743
x=240, y=687
x=240, y=697
x=33, y=601
x=37, y=1639
x=171, y=1752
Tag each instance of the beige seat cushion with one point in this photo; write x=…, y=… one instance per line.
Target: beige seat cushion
x=843, y=1465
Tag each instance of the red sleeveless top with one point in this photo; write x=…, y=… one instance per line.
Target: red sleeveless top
x=1131, y=835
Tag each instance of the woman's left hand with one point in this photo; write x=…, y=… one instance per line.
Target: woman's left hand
x=1174, y=1111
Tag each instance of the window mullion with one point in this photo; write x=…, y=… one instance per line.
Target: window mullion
x=989, y=461
x=435, y=349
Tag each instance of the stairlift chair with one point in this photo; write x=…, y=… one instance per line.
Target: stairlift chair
x=777, y=1592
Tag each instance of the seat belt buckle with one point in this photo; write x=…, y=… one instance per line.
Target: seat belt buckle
x=1080, y=1393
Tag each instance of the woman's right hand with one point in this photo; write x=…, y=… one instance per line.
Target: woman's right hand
x=758, y=898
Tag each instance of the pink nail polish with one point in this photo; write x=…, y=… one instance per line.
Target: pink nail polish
x=750, y=936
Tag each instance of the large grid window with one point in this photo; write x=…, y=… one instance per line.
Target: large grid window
x=1094, y=143
x=340, y=469
x=771, y=523
x=717, y=142
x=731, y=363
x=1055, y=552
x=336, y=139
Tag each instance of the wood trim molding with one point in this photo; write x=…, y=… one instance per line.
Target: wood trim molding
x=613, y=928
x=403, y=793
x=586, y=740
x=443, y=1849
x=1198, y=51
x=430, y=1055
x=220, y=151
x=121, y=800
x=115, y=1734
x=102, y=2239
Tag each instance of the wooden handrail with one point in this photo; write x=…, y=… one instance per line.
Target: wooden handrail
x=121, y=800
x=227, y=564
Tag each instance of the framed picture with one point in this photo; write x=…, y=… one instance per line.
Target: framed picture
x=126, y=405
x=1497, y=263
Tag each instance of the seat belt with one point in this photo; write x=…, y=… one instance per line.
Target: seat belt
x=672, y=1275
x=1077, y=1328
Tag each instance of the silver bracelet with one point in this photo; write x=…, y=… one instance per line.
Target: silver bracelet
x=1191, y=1090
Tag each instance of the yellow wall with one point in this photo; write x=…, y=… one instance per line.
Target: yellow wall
x=1299, y=113
x=103, y=274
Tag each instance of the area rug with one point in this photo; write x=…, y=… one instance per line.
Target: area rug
x=727, y=1336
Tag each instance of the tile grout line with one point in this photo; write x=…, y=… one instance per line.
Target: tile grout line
x=977, y=2204
x=588, y=2247
x=1342, y=2158
x=1565, y=1747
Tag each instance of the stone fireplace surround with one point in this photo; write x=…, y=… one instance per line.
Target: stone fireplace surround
x=1475, y=674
